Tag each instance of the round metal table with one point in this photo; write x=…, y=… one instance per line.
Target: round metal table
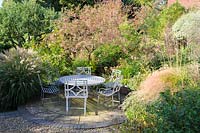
x=91, y=79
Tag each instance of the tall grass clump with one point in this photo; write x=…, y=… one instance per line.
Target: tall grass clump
x=167, y=101
x=18, y=80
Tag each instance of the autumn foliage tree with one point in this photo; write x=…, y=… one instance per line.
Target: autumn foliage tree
x=86, y=29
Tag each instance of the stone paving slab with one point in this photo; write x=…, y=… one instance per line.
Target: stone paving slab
x=9, y=114
x=55, y=115
x=12, y=122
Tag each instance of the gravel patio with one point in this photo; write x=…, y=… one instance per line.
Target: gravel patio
x=49, y=115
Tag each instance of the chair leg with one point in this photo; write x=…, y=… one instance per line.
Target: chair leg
x=119, y=97
x=42, y=95
x=67, y=105
x=97, y=107
x=98, y=100
x=112, y=101
x=85, y=101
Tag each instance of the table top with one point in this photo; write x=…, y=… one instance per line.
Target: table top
x=91, y=79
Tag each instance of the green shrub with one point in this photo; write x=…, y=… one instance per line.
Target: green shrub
x=134, y=82
x=155, y=23
x=54, y=57
x=133, y=72
x=18, y=80
x=133, y=38
x=80, y=62
x=178, y=112
x=144, y=2
x=173, y=112
x=157, y=61
x=107, y=55
x=139, y=118
x=23, y=22
x=130, y=68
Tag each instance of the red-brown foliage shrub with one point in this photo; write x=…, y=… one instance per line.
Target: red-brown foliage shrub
x=85, y=29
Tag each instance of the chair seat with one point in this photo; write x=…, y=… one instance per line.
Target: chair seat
x=80, y=95
x=109, y=84
x=50, y=90
x=106, y=92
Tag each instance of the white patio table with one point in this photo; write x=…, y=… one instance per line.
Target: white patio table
x=91, y=79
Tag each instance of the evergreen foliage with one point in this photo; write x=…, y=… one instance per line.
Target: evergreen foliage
x=23, y=22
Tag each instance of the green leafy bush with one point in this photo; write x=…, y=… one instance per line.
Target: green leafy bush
x=54, y=56
x=23, y=22
x=139, y=119
x=133, y=38
x=18, y=80
x=107, y=55
x=173, y=112
x=130, y=68
x=144, y=2
x=178, y=112
x=134, y=82
x=76, y=3
x=157, y=61
x=80, y=62
x=155, y=23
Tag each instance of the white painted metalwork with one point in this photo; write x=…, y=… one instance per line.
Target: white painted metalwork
x=49, y=89
x=91, y=80
x=76, y=89
x=116, y=74
x=83, y=70
x=111, y=90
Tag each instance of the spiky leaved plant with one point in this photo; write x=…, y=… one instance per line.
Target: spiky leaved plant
x=18, y=77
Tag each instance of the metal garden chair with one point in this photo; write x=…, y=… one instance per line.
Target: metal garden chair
x=110, y=91
x=76, y=89
x=49, y=89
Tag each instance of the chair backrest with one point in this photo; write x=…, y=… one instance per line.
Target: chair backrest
x=116, y=85
x=83, y=70
x=115, y=74
x=76, y=89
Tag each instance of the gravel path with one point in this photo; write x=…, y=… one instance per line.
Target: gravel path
x=12, y=122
